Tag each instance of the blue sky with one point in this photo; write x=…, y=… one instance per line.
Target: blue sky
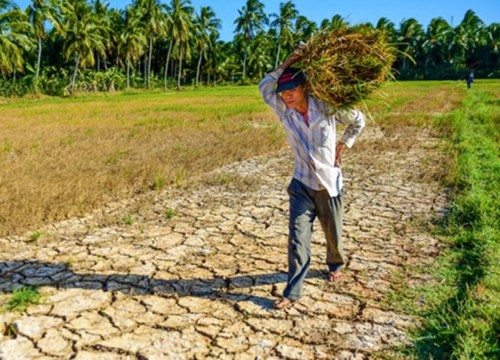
x=354, y=11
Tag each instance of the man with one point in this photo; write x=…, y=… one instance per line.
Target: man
x=470, y=79
x=316, y=186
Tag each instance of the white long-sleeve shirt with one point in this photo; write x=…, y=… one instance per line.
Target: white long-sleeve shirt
x=314, y=145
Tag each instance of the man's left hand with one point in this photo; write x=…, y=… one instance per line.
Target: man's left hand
x=338, y=153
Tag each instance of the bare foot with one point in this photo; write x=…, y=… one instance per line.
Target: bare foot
x=334, y=276
x=284, y=303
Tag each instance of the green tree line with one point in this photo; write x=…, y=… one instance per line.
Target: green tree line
x=58, y=47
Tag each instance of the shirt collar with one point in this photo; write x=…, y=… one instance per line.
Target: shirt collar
x=313, y=104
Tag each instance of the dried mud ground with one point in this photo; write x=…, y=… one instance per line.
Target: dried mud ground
x=193, y=274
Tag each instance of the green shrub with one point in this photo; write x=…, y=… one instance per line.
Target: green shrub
x=22, y=297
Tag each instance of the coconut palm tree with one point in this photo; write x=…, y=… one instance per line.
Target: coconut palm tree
x=103, y=22
x=116, y=19
x=284, y=23
x=14, y=28
x=181, y=16
x=304, y=28
x=170, y=40
x=39, y=12
x=206, y=26
x=153, y=16
x=214, y=59
x=133, y=41
x=336, y=22
x=388, y=27
x=81, y=35
x=494, y=37
x=251, y=19
x=493, y=46
x=470, y=34
x=410, y=37
x=259, y=56
x=437, y=43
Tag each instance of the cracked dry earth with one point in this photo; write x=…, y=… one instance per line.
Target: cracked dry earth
x=200, y=284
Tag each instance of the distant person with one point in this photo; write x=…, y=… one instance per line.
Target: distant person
x=470, y=79
x=316, y=187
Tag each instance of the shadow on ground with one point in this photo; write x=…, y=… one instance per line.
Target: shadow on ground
x=59, y=275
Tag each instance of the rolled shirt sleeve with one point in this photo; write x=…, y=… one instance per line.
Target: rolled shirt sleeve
x=355, y=120
x=267, y=89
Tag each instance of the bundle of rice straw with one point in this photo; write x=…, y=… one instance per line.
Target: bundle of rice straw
x=344, y=65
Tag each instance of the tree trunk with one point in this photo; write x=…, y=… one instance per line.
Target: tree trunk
x=404, y=60
x=166, y=64
x=128, y=73
x=39, y=61
x=245, y=63
x=198, y=70
x=73, y=81
x=277, y=55
x=145, y=69
x=149, y=60
x=180, y=71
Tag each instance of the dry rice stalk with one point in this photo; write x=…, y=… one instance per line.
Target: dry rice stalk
x=344, y=65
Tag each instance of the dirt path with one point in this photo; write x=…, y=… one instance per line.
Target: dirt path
x=201, y=283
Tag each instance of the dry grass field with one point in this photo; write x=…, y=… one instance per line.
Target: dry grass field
x=64, y=157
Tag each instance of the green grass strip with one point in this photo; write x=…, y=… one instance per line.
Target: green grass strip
x=462, y=312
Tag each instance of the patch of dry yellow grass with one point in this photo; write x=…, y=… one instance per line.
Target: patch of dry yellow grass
x=413, y=103
x=408, y=108
x=62, y=158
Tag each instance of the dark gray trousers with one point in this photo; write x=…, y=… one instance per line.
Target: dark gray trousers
x=305, y=205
